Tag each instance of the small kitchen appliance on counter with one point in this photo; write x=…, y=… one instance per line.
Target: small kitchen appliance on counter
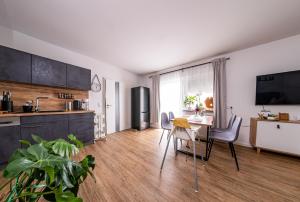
x=77, y=105
x=27, y=108
x=6, y=102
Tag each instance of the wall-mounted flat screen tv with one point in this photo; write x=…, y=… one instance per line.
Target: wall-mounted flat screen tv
x=278, y=89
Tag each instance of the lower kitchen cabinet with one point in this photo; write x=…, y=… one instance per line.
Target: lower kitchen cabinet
x=9, y=137
x=82, y=126
x=46, y=130
x=50, y=127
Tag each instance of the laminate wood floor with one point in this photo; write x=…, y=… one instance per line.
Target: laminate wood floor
x=128, y=169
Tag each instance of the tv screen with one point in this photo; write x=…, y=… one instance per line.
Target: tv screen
x=278, y=89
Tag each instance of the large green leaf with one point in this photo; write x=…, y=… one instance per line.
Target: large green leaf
x=73, y=139
x=38, y=151
x=17, y=166
x=37, y=139
x=51, y=173
x=67, y=197
x=64, y=148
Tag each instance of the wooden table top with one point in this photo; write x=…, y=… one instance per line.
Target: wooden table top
x=199, y=120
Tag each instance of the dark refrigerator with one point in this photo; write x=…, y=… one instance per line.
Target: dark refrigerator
x=140, y=108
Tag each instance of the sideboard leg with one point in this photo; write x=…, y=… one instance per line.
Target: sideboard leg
x=258, y=150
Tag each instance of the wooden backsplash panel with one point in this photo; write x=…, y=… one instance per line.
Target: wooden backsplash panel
x=24, y=92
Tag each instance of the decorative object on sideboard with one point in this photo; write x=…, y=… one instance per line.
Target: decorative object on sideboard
x=96, y=84
x=273, y=117
x=284, y=116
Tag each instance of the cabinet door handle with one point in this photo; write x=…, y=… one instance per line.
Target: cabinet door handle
x=278, y=126
x=32, y=126
x=6, y=122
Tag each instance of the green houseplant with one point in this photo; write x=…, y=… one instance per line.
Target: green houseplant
x=47, y=170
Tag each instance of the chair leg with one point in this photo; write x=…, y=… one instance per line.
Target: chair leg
x=176, y=146
x=195, y=168
x=210, y=147
x=231, y=149
x=161, y=136
x=162, y=163
x=174, y=142
x=236, y=161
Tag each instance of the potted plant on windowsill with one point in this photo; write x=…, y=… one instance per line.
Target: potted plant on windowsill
x=47, y=170
x=189, y=101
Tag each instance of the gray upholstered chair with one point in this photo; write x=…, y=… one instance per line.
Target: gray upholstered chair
x=171, y=116
x=228, y=136
x=230, y=123
x=165, y=124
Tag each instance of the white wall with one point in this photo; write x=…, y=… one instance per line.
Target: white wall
x=242, y=69
x=245, y=65
x=127, y=80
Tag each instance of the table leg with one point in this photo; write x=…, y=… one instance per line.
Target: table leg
x=207, y=142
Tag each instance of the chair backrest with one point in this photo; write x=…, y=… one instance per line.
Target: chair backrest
x=235, y=129
x=171, y=115
x=164, y=120
x=181, y=122
x=231, y=121
x=182, y=129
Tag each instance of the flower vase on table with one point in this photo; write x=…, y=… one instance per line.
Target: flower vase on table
x=197, y=110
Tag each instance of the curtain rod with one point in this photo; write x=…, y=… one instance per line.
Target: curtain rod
x=187, y=67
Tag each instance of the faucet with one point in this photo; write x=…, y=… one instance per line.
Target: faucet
x=37, y=107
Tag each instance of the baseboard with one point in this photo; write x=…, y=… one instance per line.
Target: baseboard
x=244, y=144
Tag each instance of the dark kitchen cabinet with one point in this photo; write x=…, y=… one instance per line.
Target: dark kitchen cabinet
x=48, y=72
x=82, y=126
x=78, y=78
x=48, y=127
x=15, y=65
x=9, y=137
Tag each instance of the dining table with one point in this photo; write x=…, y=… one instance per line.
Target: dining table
x=196, y=122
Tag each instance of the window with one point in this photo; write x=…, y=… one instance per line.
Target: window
x=198, y=82
x=175, y=86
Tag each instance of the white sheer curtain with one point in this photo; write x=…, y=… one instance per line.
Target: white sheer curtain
x=198, y=81
x=170, y=93
x=176, y=85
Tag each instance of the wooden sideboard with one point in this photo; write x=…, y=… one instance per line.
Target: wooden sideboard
x=278, y=136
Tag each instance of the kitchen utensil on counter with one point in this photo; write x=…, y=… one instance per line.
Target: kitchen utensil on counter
x=68, y=106
x=6, y=102
x=77, y=105
x=85, y=104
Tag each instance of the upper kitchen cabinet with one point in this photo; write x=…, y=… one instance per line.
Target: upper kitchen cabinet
x=78, y=78
x=48, y=72
x=15, y=65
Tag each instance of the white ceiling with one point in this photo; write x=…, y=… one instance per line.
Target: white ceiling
x=143, y=36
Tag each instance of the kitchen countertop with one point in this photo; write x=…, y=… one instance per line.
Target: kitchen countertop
x=21, y=114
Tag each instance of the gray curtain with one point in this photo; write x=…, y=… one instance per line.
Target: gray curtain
x=219, y=92
x=155, y=108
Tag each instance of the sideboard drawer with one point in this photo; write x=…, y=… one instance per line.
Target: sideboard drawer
x=278, y=136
